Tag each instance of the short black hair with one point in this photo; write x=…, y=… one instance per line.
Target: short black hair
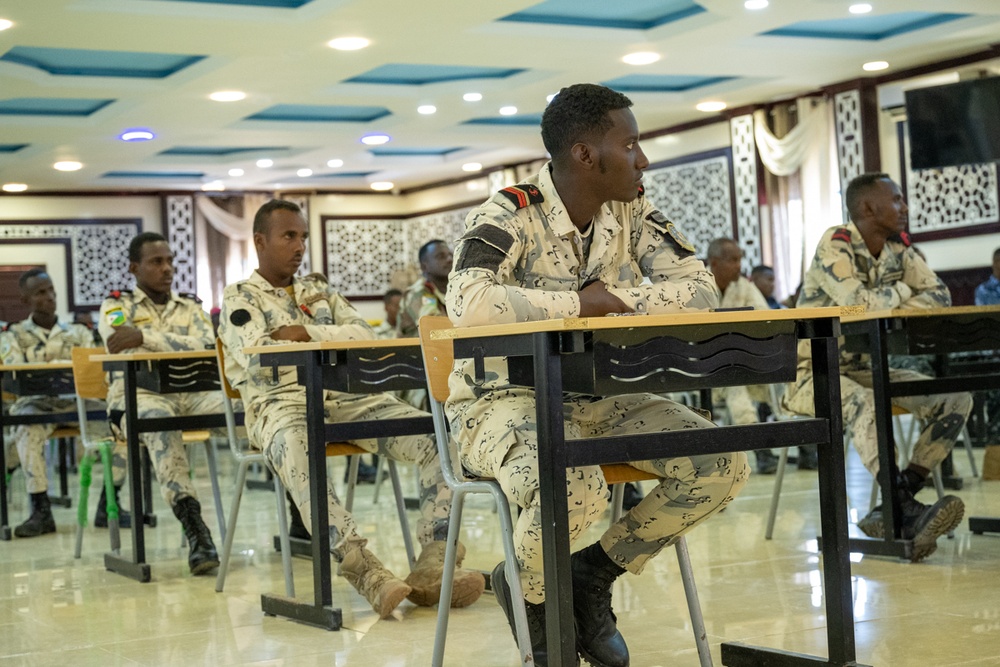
x=29, y=274
x=996, y=253
x=135, y=245
x=762, y=268
x=390, y=294
x=717, y=246
x=858, y=187
x=262, y=220
x=579, y=112
x=425, y=249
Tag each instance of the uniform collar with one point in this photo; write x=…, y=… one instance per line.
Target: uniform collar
x=560, y=221
x=28, y=324
x=141, y=296
x=262, y=283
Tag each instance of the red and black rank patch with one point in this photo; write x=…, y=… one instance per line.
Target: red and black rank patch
x=523, y=195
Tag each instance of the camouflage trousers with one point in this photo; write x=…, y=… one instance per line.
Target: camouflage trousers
x=740, y=402
x=943, y=416
x=498, y=439
x=30, y=439
x=166, y=448
x=280, y=426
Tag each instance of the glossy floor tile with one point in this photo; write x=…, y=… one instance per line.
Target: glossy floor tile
x=55, y=610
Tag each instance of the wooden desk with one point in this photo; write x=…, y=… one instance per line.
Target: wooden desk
x=937, y=331
x=662, y=353
x=357, y=367
x=35, y=379
x=153, y=371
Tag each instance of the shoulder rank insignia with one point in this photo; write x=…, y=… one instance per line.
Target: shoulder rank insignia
x=189, y=295
x=642, y=191
x=904, y=238
x=318, y=277
x=117, y=294
x=841, y=234
x=523, y=195
x=671, y=230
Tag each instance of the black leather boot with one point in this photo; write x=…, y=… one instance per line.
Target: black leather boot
x=40, y=522
x=101, y=516
x=535, y=613
x=597, y=635
x=202, y=557
x=296, y=527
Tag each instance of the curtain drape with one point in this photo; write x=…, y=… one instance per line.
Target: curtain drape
x=233, y=226
x=784, y=156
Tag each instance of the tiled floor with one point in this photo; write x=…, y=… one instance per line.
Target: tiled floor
x=57, y=611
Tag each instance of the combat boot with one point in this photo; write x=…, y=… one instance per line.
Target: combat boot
x=296, y=527
x=534, y=612
x=383, y=590
x=202, y=556
x=101, y=515
x=425, y=578
x=767, y=462
x=41, y=521
x=597, y=635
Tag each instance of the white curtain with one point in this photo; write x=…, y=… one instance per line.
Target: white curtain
x=783, y=157
x=224, y=222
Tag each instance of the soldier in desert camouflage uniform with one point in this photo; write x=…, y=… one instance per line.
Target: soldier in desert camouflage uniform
x=273, y=306
x=43, y=338
x=152, y=318
x=869, y=262
x=427, y=295
x=579, y=239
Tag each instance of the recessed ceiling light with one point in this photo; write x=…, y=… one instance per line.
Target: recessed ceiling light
x=264, y=163
x=875, y=66
x=472, y=166
x=236, y=172
x=14, y=187
x=641, y=58
x=860, y=8
x=383, y=186
x=508, y=111
x=214, y=186
x=375, y=139
x=427, y=109
x=472, y=97
x=304, y=173
x=348, y=43
x=67, y=165
x=710, y=106
x=228, y=96
x=755, y=4
x=334, y=163
x=136, y=135
x=4, y=24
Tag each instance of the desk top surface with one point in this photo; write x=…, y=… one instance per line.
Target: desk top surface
x=37, y=366
x=630, y=322
x=909, y=313
x=333, y=345
x=154, y=356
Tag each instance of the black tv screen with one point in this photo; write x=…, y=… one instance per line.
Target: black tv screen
x=954, y=124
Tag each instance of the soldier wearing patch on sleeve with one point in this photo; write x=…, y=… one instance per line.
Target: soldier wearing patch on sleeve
x=153, y=318
x=580, y=239
x=870, y=262
x=427, y=295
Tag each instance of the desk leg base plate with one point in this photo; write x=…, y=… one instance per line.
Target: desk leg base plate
x=138, y=571
x=5, y=533
x=736, y=654
x=298, y=547
x=329, y=618
x=877, y=547
x=260, y=484
x=149, y=520
x=977, y=524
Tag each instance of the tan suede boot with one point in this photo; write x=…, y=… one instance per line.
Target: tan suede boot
x=383, y=590
x=426, y=578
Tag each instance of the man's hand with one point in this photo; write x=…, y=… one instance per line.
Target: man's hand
x=296, y=333
x=124, y=338
x=597, y=301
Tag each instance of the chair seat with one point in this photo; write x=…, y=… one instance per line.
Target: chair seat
x=619, y=473
x=195, y=436
x=66, y=432
x=343, y=449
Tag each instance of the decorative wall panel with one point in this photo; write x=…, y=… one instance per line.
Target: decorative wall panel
x=180, y=236
x=744, y=148
x=97, y=253
x=850, y=149
x=952, y=197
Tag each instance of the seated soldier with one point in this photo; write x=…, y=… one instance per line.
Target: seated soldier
x=427, y=295
x=391, y=301
x=43, y=338
x=274, y=306
x=870, y=262
x=152, y=318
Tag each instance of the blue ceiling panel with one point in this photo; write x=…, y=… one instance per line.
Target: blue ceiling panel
x=220, y=151
x=11, y=148
x=85, y=62
x=319, y=113
x=418, y=75
x=534, y=119
x=153, y=174
x=284, y=4
x=413, y=152
x=662, y=83
x=51, y=106
x=868, y=28
x=632, y=15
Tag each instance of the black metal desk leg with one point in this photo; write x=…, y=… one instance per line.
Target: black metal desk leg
x=4, y=519
x=560, y=629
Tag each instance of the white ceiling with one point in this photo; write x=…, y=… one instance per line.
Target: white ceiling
x=279, y=56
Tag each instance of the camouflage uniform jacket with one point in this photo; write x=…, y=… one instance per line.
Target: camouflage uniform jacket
x=27, y=343
x=742, y=293
x=521, y=259
x=181, y=324
x=844, y=273
x=253, y=308
x=421, y=298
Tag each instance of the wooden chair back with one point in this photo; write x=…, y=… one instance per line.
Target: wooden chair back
x=439, y=355
x=88, y=376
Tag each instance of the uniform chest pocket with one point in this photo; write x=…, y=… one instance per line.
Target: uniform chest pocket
x=555, y=268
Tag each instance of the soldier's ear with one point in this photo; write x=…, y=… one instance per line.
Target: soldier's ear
x=584, y=155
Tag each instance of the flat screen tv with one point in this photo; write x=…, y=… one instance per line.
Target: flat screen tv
x=954, y=124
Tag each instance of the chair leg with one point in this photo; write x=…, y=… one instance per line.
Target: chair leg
x=404, y=523
x=286, y=547
x=448, y=576
x=380, y=462
x=694, y=604
x=617, y=500
x=352, y=481
x=968, y=450
x=513, y=573
x=213, y=471
x=114, y=532
x=779, y=478
x=86, y=468
x=227, y=541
